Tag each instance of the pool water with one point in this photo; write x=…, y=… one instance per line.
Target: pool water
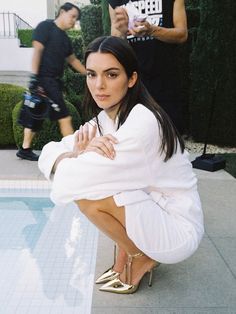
x=47, y=256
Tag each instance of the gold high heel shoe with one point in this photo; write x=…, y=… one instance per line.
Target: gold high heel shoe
x=109, y=274
x=117, y=286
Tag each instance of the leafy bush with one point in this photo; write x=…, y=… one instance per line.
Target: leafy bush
x=230, y=159
x=50, y=129
x=106, y=22
x=95, y=2
x=10, y=95
x=213, y=59
x=73, y=81
x=25, y=36
x=91, y=23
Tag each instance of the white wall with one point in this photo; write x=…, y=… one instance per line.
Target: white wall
x=32, y=11
x=14, y=58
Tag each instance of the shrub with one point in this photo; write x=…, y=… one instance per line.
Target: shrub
x=10, y=95
x=106, y=23
x=213, y=59
x=50, y=129
x=73, y=81
x=183, y=55
x=25, y=36
x=95, y=2
x=91, y=23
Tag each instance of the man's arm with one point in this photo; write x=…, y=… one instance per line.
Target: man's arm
x=36, y=60
x=37, y=55
x=176, y=35
x=76, y=64
x=179, y=33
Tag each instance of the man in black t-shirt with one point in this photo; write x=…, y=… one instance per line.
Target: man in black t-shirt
x=52, y=47
x=154, y=42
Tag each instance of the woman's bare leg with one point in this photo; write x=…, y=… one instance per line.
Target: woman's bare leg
x=110, y=219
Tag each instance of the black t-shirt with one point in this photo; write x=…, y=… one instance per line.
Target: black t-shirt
x=57, y=47
x=157, y=59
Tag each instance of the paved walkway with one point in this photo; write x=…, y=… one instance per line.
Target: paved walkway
x=205, y=283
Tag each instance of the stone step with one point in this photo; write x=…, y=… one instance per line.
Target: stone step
x=19, y=78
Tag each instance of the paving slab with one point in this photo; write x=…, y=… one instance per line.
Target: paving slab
x=204, y=283
x=14, y=168
x=219, y=206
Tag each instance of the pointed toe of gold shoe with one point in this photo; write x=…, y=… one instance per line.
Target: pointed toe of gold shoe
x=107, y=276
x=117, y=286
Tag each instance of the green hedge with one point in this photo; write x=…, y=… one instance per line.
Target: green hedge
x=213, y=58
x=50, y=129
x=106, y=22
x=10, y=95
x=72, y=80
x=25, y=36
x=91, y=23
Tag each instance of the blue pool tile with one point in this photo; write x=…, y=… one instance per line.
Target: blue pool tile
x=47, y=257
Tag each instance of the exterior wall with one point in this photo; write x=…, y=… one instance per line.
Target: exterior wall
x=15, y=62
x=79, y=3
x=14, y=58
x=32, y=11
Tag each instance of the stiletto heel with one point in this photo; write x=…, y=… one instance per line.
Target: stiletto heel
x=117, y=286
x=151, y=273
x=150, y=278
x=109, y=274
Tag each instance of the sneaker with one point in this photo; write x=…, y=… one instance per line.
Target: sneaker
x=26, y=153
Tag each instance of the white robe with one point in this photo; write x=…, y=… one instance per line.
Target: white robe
x=162, y=206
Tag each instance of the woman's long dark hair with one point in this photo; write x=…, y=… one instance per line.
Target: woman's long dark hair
x=124, y=53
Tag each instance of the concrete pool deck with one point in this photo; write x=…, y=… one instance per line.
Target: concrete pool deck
x=205, y=283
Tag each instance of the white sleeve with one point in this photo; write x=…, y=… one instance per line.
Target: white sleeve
x=51, y=152
x=92, y=176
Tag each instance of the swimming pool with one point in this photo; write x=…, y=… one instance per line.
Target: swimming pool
x=47, y=255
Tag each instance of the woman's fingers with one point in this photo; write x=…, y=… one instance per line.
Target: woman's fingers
x=104, y=144
x=80, y=134
x=92, y=134
x=85, y=132
x=97, y=150
x=112, y=138
x=107, y=147
x=88, y=141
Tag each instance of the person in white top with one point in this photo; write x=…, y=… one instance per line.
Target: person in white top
x=127, y=170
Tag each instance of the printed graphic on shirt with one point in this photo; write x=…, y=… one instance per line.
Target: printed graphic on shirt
x=152, y=8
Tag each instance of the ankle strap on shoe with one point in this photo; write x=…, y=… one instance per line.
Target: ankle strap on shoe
x=130, y=257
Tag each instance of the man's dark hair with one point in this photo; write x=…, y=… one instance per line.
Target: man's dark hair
x=67, y=7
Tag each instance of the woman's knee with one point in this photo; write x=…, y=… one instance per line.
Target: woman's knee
x=87, y=207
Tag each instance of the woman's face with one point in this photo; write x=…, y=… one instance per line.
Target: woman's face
x=107, y=81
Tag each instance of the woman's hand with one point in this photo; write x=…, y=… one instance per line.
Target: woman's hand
x=103, y=145
x=86, y=141
x=82, y=138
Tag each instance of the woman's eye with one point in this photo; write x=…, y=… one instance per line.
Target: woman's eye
x=112, y=74
x=90, y=74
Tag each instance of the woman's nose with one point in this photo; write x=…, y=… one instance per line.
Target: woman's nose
x=100, y=82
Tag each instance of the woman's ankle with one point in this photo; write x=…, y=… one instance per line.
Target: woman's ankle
x=121, y=261
x=139, y=267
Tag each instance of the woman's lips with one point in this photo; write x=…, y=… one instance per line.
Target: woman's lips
x=102, y=97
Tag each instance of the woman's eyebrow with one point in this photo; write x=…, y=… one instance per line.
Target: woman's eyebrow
x=110, y=69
